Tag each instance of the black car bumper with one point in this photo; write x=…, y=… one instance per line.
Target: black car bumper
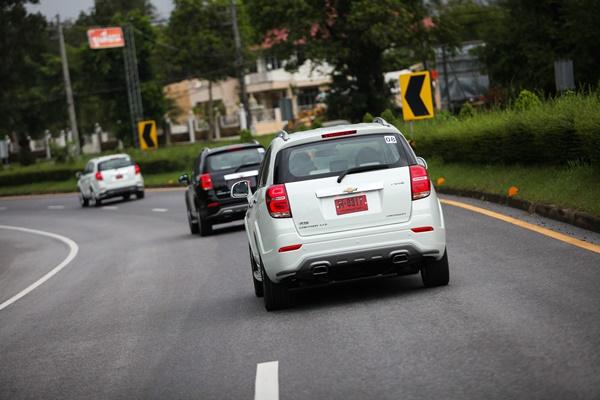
x=227, y=213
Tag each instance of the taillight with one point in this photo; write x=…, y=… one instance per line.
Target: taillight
x=291, y=247
x=277, y=202
x=99, y=176
x=137, y=169
x=419, y=182
x=336, y=134
x=206, y=182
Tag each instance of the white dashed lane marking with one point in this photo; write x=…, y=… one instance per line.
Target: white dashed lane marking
x=160, y=209
x=267, y=381
x=110, y=208
x=56, y=207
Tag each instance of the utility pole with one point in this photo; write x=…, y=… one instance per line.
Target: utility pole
x=446, y=81
x=239, y=61
x=134, y=95
x=68, y=89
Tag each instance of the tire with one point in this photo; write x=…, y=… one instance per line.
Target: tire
x=84, y=201
x=194, y=228
x=258, y=285
x=97, y=202
x=140, y=194
x=277, y=296
x=436, y=272
x=127, y=196
x=205, y=227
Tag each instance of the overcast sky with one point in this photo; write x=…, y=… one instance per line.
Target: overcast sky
x=71, y=8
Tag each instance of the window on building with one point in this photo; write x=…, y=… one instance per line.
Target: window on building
x=272, y=63
x=307, y=98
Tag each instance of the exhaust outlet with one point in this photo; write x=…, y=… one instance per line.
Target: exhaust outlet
x=320, y=269
x=399, y=258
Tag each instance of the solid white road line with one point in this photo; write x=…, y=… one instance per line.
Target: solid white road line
x=73, y=249
x=267, y=381
x=110, y=207
x=160, y=209
x=57, y=207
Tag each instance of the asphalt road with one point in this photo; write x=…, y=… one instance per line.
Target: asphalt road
x=147, y=311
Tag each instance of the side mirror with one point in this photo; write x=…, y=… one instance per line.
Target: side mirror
x=240, y=190
x=77, y=174
x=184, y=179
x=421, y=161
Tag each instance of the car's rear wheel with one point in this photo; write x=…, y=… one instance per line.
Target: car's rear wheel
x=205, y=227
x=84, y=201
x=127, y=196
x=258, y=285
x=277, y=295
x=436, y=272
x=139, y=194
x=95, y=201
x=194, y=228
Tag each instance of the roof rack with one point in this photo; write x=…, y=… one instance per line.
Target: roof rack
x=381, y=121
x=284, y=135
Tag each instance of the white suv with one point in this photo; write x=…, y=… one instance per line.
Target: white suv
x=342, y=203
x=109, y=176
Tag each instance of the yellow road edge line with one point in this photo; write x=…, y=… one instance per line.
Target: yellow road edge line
x=526, y=225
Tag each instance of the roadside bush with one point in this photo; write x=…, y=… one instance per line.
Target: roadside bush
x=367, y=117
x=554, y=133
x=526, y=101
x=466, y=111
x=389, y=116
x=246, y=136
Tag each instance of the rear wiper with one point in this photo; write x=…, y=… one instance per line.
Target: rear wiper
x=246, y=165
x=364, y=168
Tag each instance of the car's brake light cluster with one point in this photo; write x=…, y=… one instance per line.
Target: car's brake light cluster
x=277, y=202
x=419, y=182
x=336, y=134
x=99, y=176
x=137, y=169
x=205, y=181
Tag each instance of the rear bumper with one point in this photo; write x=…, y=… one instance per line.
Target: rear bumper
x=227, y=213
x=120, y=191
x=339, y=267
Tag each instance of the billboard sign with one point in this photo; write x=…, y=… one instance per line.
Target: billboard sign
x=106, y=38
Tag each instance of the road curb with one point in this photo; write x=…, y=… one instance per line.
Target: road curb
x=567, y=215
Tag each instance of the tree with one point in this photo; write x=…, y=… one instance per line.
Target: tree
x=522, y=47
x=200, y=43
x=353, y=36
x=31, y=98
x=99, y=75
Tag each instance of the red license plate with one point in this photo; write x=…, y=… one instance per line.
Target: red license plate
x=119, y=176
x=349, y=205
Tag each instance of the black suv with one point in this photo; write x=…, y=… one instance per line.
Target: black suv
x=207, y=198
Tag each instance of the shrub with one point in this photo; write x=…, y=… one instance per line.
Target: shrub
x=367, y=117
x=246, y=135
x=526, y=101
x=389, y=116
x=466, y=111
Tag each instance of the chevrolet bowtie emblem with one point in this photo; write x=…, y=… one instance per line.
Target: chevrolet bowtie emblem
x=350, y=190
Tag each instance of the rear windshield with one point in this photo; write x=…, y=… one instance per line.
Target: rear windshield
x=236, y=159
x=332, y=157
x=114, y=163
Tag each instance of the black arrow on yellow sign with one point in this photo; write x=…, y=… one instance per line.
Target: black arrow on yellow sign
x=147, y=136
x=413, y=96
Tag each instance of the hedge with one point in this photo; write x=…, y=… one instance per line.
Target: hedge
x=554, y=133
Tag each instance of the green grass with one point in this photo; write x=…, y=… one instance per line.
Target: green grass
x=576, y=187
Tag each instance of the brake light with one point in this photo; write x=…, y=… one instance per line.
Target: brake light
x=213, y=204
x=206, y=182
x=277, y=202
x=99, y=176
x=289, y=248
x=419, y=182
x=137, y=169
x=336, y=134
x=422, y=229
